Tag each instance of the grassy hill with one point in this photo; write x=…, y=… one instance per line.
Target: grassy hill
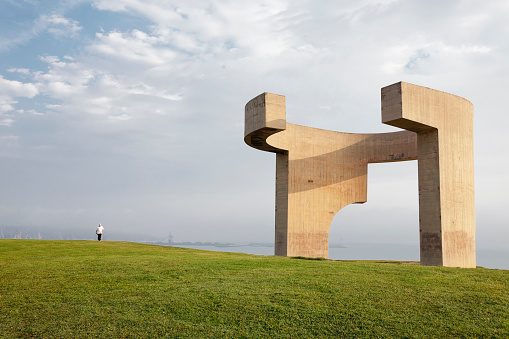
x=84, y=289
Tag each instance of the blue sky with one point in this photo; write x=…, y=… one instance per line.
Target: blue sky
x=130, y=113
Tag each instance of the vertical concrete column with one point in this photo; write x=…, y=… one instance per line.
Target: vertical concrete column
x=430, y=235
x=281, y=236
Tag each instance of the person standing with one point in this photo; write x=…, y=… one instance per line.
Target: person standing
x=99, y=231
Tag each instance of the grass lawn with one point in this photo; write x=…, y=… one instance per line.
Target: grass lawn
x=84, y=289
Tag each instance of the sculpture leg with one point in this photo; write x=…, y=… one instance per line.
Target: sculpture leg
x=444, y=126
x=430, y=230
x=281, y=237
x=302, y=225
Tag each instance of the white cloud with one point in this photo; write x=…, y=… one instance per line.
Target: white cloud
x=21, y=30
x=30, y=111
x=135, y=46
x=6, y=104
x=64, y=79
x=52, y=106
x=463, y=50
x=24, y=71
x=156, y=10
x=6, y=121
x=11, y=88
x=58, y=25
x=207, y=27
x=121, y=117
x=82, y=89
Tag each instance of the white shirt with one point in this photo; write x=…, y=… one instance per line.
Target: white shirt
x=99, y=230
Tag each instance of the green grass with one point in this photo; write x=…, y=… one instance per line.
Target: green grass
x=84, y=289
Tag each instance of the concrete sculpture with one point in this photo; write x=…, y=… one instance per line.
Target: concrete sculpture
x=318, y=172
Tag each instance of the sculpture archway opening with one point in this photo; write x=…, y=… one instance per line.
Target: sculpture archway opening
x=390, y=217
x=318, y=172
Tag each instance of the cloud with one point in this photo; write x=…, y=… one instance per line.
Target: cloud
x=9, y=90
x=204, y=27
x=6, y=121
x=64, y=79
x=76, y=89
x=135, y=46
x=17, y=89
x=24, y=71
x=23, y=21
x=58, y=25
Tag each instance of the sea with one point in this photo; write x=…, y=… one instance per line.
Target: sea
x=487, y=258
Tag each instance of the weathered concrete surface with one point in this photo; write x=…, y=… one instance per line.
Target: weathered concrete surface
x=318, y=172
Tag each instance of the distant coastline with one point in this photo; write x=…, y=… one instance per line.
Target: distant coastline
x=222, y=244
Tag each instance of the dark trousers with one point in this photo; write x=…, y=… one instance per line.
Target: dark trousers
x=99, y=237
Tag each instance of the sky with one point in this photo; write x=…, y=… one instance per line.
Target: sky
x=130, y=113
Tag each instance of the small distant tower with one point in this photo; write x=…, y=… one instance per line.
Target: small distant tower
x=170, y=238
